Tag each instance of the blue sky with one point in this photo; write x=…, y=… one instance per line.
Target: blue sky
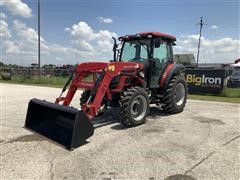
x=64, y=44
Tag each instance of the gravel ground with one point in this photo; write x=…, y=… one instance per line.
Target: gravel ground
x=200, y=143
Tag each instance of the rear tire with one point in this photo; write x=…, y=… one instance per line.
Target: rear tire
x=175, y=95
x=134, y=107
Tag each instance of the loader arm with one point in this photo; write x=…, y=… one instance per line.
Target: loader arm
x=109, y=71
x=81, y=71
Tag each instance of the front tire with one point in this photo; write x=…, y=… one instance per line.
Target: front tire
x=134, y=107
x=175, y=95
x=84, y=97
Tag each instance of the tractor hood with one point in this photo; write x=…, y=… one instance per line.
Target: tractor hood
x=87, y=73
x=92, y=67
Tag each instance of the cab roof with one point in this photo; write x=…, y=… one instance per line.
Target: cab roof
x=150, y=33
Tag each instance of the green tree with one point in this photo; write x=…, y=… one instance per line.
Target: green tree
x=1, y=64
x=48, y=66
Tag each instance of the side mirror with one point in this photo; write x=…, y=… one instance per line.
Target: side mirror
x=115, y=46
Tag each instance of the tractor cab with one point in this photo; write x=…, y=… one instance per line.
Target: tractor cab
x=153, y=49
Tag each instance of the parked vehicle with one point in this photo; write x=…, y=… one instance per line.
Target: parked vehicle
x=234, y=78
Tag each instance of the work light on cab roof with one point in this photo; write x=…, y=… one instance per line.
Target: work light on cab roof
x=150, y=34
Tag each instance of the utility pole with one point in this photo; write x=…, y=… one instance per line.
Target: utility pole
x=39, y=48
x=201, y=23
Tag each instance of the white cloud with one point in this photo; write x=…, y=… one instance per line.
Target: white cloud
x=86, y=39
x=17, y=7
x=11, y=47
x=104, y=20
x=27, y=33
x=27, y=37
x=3, y=16
x=214, y=27
x=82, y=30
x=4, y=31
x=223, y=50
x=82, y=34
x=83, y=45
x=24, y=46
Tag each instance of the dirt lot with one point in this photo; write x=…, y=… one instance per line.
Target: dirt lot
x=200, y=143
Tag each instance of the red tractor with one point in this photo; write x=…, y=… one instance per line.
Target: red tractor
x=142, y=73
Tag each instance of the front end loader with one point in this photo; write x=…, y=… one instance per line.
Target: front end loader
x=142, y=73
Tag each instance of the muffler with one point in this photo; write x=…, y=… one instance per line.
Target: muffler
x=64, y=125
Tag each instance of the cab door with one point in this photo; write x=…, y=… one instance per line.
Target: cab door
x=161, y=56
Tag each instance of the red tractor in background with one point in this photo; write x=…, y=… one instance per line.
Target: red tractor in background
x=141, y=73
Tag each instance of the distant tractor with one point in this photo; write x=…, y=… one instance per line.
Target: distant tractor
x=141, y=73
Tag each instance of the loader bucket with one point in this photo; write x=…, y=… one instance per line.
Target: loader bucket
x=64, y=125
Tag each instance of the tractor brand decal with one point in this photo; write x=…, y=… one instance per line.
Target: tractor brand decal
x=111, y=67
x=205, y=80
x=126, y=67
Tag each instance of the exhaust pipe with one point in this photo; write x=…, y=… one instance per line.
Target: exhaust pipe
x=64, y=125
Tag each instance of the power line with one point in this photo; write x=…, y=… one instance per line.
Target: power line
x=201, y=23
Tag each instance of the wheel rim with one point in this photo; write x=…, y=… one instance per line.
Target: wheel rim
x=138, y=107
x=179, y=94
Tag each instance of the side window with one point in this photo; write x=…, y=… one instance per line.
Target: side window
x=161, y=52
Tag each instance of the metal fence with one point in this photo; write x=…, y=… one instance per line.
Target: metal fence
x=31, y=72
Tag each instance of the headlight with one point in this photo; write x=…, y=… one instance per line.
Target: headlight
x=141, y=73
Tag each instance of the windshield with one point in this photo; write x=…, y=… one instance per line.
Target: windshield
x=136, y=50
x=236, y=73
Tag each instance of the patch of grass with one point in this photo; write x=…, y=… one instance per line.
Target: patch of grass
x=231, y=95
x=53, y=81
x=214, y=98
x=43, y=81
x=232, y=92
